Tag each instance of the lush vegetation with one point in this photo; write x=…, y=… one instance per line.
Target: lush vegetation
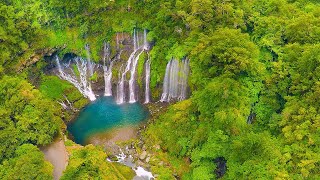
x=90, y=163
x=26, y=116
x=28, y=163
x=27, y=119
x=254, y=83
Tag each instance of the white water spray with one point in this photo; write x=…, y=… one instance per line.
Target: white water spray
x=130, y=66
x=176, y=80
x=147, y=81
x=81, y=82
x=107, y=70
x=132, y=81
x=90, y=64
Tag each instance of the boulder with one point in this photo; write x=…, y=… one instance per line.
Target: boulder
x=143, y=155
x=148, y=159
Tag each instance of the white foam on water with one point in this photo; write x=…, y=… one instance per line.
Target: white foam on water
x=143, y=173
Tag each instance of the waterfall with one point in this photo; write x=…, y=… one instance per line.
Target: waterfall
x=137, y=40
x=122, y=77
x=165, y=90
x=145, y=43
x=81, y=82
x=183, y=79
x=108, y=80
x=134, y=40
x=132, y=80
x=130, y=66
x=90, y=64
x=147, y=79
x=175, y=80
x=106, y=52
x=107, y=70
x=120, y=87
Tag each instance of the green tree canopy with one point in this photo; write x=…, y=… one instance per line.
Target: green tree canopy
x=28, y=163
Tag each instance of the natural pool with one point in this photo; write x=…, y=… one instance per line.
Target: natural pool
x=105, y=114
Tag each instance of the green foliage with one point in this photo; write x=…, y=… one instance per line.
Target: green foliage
x=53, y=88
x=94, y=77
x=26, y=116
x=254, y=81
x=21, y=31
x=180, y=118
x=226, y=52
x=140, y=67
x=90, y=162
x=225, y=103
x=60, y=90
x=265, y=69
x=28, y=163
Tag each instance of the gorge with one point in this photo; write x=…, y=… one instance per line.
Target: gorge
x=159, y=90
x=174, y=83
x=119, y=105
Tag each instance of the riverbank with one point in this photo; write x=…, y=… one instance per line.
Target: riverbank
x=109, y=139
x=57, y=155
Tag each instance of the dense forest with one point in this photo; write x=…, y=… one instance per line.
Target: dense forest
x=253, y=110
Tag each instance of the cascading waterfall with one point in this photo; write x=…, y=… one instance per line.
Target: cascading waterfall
x=81, y=83
x=120, y=87
x=147, y=81
x=175, y=80
x=107, y=70
x=135, y=46
x=122, y=76
x=90, y=64
x=132, y=80
x=145, y=43
x=165, y=87
x=175, y=85
x=107, y=79
x=183, y=80
x=131, y=66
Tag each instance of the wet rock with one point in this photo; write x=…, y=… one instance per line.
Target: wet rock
x=148, y=160
x=143, y=155
x=144, y=147
x=140, y=163
x=113, y=158
x=140, y=144
x=132, y=151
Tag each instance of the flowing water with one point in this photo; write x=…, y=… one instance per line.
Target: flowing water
x=90, y=64
x=107, y=70
x=103, y=115
x=147, y=79
x=140, y=45
x=175, y=81
x=79, y=79
x=132, y=81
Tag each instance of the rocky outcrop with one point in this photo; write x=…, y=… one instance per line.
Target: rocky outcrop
x=37, y=56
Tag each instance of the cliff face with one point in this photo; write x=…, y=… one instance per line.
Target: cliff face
x=35, y=57
x=120, y=50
